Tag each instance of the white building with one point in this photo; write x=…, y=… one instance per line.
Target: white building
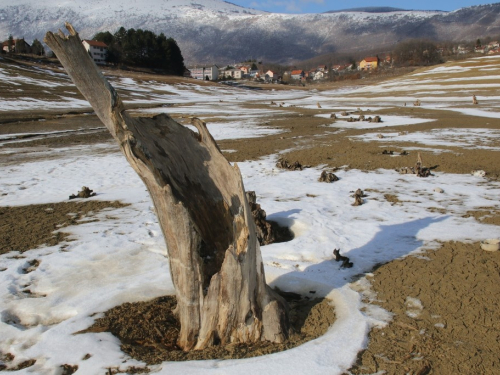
x=211, y=73
x=233, y=73
x=271, y=76
x=97, y=50
x=319, y=75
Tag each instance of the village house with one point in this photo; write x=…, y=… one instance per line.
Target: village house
x=233, y=73
x=271, y=76
x=462, y=50
x=319, y=75
x=204, y=73
x=97, y=50
x=369, y=63
x=322, y=68
x=297, y=74
x=480, y=49
x=341, y=68
x=254, y=74
x=244, y=68
x=5, y=45
x=493, y=45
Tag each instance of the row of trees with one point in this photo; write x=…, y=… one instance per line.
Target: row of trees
x=415, y=52
x=143, y=48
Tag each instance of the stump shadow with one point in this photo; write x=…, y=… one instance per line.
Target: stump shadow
x=389, y=243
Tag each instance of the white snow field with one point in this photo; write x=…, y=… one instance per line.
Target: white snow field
x=123, y=258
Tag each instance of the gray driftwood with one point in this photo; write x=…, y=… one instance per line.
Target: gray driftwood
x=214, y=256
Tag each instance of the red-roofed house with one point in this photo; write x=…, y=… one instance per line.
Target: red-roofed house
x=369, y=63
x=244, y=68
x=97, y=50
x=297, y=74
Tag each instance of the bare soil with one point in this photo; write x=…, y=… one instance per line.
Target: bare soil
x=317, y=141
x=27, y=227
x=148, y=331
x=456, y=331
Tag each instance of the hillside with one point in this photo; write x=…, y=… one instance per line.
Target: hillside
x=219, y=32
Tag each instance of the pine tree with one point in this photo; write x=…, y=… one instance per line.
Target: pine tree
x=21, y=46
x=37, y=48
x=11, y=43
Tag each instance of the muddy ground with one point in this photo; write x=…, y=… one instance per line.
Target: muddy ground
x=456, y=328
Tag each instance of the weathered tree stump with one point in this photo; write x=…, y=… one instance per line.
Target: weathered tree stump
x=358, y=197
x=268, y=232
x=84, y=193
x=327, y=177
x=200, y=201
x=284, y=164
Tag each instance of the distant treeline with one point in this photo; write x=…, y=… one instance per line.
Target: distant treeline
x=415, y=52
x=143, y=48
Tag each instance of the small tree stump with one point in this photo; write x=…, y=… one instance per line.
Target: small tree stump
x=84, y=193
x=327, y=177
x=358, y=197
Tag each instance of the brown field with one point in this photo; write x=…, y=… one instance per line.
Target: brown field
x=460, y=329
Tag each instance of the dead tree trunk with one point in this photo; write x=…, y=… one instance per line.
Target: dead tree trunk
x=214, y=255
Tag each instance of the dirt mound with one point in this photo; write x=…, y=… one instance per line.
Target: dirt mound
x=148, y=330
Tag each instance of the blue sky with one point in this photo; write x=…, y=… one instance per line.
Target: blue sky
x=319, y=6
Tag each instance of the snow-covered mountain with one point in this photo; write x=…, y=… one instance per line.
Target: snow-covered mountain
x=217, y=31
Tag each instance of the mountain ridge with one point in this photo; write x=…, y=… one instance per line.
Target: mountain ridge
x=215, y=31
x=369, y=10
